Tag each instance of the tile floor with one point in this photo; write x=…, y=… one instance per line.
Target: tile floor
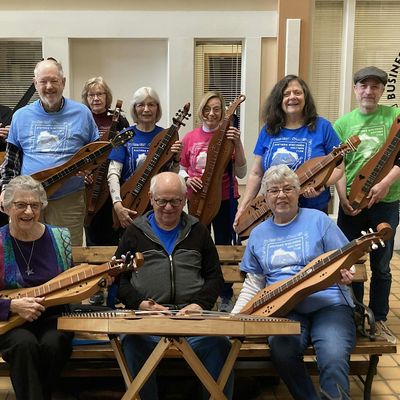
x=386, y=384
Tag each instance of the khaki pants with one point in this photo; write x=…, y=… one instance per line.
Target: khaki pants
x=68, y=212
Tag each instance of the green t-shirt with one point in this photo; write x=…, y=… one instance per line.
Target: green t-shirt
x=373, y=130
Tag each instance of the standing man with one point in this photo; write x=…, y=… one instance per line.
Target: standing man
x=182, y=272
x=372, y=123
x=48, y=133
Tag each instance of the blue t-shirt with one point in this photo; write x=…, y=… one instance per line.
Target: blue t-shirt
x=134, y=152
x=167, y=238
x=295, y=146
x=280, y=251
x=50, y=139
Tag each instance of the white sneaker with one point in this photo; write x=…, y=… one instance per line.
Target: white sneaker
x=384, y=332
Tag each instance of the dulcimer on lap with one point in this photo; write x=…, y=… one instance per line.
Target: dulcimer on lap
x=376, y=168
x=313, y=173
x=87, y=158
x=134, y=192
x=73, y=285
x=205, y=203
x=98, y=192
x=280, y=298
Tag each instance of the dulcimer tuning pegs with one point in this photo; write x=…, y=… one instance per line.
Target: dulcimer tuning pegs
x=382, y=242
x=363, y=233
x=374, y=246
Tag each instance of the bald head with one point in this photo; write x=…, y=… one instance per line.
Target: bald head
x=168, y=179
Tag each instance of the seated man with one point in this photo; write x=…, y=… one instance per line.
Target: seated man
x=181, y=272
x=278, y=249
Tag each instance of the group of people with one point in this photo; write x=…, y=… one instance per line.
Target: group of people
x=178, y=249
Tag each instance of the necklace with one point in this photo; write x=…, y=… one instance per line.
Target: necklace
x=29, y=271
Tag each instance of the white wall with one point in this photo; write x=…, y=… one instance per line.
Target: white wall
x=125, y=64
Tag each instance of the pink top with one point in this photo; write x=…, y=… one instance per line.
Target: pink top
x=194, y=157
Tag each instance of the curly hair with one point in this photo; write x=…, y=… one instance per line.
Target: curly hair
x=275, y=118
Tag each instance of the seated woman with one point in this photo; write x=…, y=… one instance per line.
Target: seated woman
x=31, y=254
x=279, y=248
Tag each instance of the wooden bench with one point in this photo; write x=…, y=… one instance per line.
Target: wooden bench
x=254, y=357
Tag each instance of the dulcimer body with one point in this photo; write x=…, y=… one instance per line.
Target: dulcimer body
x=280, y=298
x=87, y=158
x=73, y=285
x=205, y=203
x=376, y=168
x=134, y=192
x=97, y=193
x=313, y=173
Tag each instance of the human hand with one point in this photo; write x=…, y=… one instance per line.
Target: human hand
x=347, y=275
x=151, y=305
x=377, y=193
x=4, y=130
x=348, y=209
x=29, y=308
x=189, y=308
x=194, y=183
x=176, y=148
x=310, y=192
x=233, y=134
x=125, y=215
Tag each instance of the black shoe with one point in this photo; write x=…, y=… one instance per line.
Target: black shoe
x=97, y=299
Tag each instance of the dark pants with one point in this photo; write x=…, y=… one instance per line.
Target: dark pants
x=36, y=353
x=381, y=278
x=223, y=234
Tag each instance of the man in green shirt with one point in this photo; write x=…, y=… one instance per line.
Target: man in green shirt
x=371, y=122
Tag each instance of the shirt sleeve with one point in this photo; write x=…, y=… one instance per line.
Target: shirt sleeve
x=11, y=166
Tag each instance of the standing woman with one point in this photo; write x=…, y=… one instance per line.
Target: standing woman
x=193, y=160
x=146, y=112
x=97, y=95
x=32, y=253
x=293, y=133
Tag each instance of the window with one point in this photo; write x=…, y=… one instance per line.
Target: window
x=17, y=61
x=218, y=67
x=326, y=57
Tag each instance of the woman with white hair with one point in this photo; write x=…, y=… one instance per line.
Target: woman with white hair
x=146, y=112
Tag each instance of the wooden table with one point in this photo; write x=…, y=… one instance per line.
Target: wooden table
x=173, y=330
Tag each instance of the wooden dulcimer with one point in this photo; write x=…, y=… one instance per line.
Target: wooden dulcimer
x=134, y=192
x=205, y=203
x=280, y=298
x=376, y=168
x=72, y=285
x=87, y=158
x=313, y=173
x=98, y=192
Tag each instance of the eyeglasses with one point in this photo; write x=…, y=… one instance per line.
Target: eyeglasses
x=286, y=190
x=20, y=205
x=163, y=202
x=215, y=110
x=93, y=95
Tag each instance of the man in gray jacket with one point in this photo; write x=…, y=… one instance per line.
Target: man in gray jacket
x=181, y=272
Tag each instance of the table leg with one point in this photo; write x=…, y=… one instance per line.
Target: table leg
x=197, y=366
x=148, y=368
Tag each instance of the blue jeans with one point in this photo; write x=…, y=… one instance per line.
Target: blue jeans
x=331, y=331
x=211, y=350
x=381, y=278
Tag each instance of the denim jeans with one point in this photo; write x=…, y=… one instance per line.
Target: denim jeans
x=211, y=350
x=331, y=331
x=381, y=278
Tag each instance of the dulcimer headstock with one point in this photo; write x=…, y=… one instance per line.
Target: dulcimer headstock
x=117, y=111
x=372, y=239
x=127, y=262
x=123, y=136
x=233, y=106
x=181, y=115
x=351, y=144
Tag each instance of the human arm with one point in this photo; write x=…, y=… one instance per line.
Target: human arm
x=124, y=214
x=252, y=188
x=342, y=193
x=381, y=189
x=252, y=284
x=176, y=149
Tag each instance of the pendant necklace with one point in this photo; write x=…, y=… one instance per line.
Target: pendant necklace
x=29, y=271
